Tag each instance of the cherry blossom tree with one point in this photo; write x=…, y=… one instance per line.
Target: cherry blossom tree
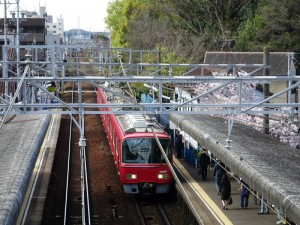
x=280, y=126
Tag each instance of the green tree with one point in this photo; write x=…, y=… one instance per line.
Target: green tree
x=275, y=26
x=120, y=13
x=116, y=22
x=211, y=20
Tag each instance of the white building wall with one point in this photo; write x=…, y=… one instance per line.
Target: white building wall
x=56, y=28
x=43, y=12
x=52, y=40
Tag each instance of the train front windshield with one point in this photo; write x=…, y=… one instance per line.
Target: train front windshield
x=145, y=150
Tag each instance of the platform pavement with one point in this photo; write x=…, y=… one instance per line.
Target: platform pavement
x=41, y=177
x=234, y=214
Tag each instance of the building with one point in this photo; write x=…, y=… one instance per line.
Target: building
x=56, y=28
x=32, y=32
x=52, y=28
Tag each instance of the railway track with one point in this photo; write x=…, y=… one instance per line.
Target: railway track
x=151, y=210
x=108, y=202
x=77, y=209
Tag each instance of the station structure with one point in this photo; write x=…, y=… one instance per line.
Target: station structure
x=34, y=86
x=25, y=83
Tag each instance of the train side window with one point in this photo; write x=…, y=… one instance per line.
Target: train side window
x=110, y=126
x=117, y=146
x=113, y=135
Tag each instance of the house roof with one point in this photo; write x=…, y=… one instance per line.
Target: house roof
x=278, y=60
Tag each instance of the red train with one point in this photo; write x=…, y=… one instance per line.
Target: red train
x=139, y=161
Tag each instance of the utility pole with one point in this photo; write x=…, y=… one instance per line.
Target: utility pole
x=5, y=24
x=18, y=38
x=4, y=55
x=266, y=88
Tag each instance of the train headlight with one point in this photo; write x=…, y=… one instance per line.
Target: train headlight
x=163, y=176
x=131, y=176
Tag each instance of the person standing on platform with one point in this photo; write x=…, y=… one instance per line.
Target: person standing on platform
x=204, y=162
x=179, y=144
x=219, y=170
x=225, y=190
x=168, y=130
x=263, y=206
x=245, y=192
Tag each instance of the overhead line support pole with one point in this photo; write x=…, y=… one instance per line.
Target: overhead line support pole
x=266, y=89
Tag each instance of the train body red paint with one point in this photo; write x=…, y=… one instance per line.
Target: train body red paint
x=140, y=163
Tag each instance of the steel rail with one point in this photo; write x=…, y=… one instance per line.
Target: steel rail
x=68, y=167
x=180, y=186
x=163, y=213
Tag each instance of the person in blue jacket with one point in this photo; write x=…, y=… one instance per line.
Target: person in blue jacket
x=245, y=192
x=219, y=170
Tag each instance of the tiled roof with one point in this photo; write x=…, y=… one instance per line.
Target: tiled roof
x=278, y=60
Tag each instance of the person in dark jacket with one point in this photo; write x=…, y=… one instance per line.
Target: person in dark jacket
x=245, y=192
x=168, y=130
x=219, y=170
x=204, y=162
x=225, y=190
x=179, y=144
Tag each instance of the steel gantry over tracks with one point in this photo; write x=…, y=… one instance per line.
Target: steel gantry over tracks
x=25, y=83
x=27, y=92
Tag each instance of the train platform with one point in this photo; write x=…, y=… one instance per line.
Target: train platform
x=32, y=208
x=20, y=142
x=234, y=215
x=267, y=165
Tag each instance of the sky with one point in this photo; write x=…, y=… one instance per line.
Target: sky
x=84, y=14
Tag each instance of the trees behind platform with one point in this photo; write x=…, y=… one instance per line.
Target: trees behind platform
x=189, y=28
